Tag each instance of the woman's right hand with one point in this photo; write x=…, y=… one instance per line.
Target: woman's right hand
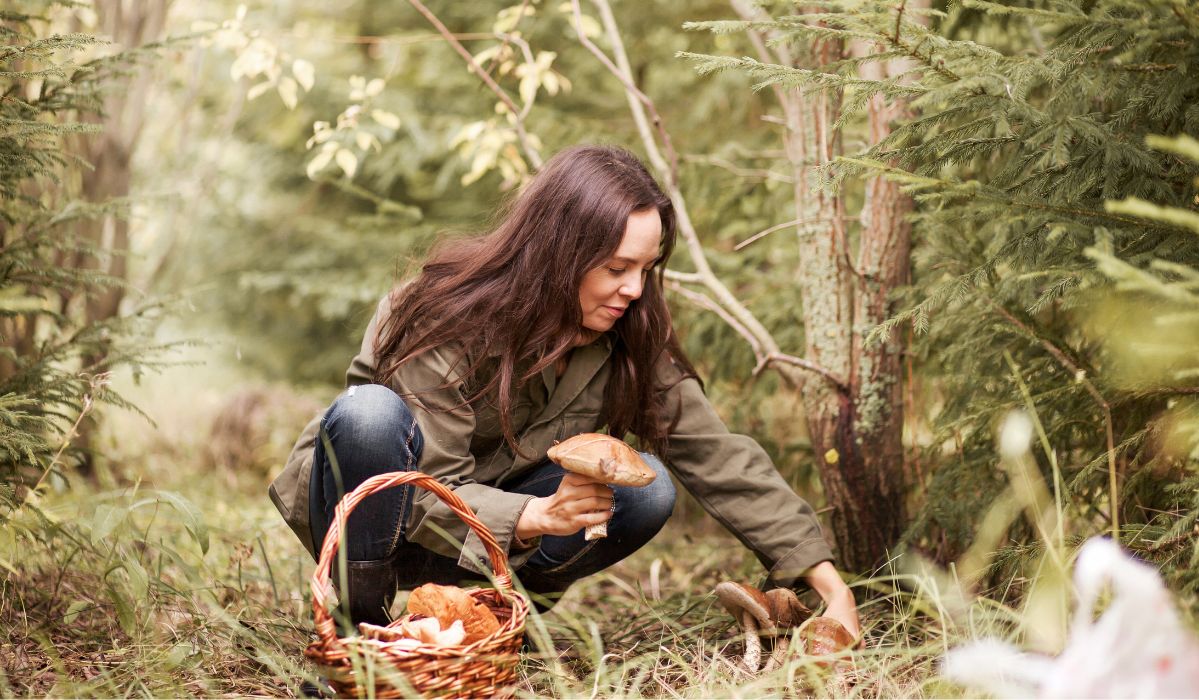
x=577, y=503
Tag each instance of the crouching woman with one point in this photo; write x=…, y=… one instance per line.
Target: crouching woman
x=551, y=325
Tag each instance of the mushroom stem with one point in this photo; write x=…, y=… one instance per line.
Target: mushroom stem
x=595, y=532
x=753, y=647
x=781, y=645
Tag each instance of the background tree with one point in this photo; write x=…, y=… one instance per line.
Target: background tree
x=54, y=354
x=1011, y=156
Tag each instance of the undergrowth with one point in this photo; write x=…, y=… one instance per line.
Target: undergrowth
x=172, y=575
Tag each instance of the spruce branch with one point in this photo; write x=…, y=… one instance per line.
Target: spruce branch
x=1080, y=376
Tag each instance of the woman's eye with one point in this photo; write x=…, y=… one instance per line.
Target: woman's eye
x=616, y=271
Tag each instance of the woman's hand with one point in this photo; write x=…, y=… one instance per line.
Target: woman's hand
x=838, y=599
x=577, y=503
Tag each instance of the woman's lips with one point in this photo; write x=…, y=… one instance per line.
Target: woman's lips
x=615, y=311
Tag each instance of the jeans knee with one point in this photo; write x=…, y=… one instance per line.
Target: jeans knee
x=372, y=417
x=655, y=501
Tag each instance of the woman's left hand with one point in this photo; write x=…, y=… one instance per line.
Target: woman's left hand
x=838, y=598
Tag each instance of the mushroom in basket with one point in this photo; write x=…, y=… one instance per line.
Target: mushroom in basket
x=438, y=616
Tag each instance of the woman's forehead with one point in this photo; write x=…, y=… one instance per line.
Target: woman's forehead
x=642, y=239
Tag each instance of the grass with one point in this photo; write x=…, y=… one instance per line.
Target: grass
x=172, y=575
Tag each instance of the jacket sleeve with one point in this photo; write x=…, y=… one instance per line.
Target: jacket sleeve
x=735, y=481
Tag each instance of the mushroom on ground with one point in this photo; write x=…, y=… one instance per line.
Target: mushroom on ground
x=822, y=636
x=750, y=608
x=604, y=459
x=786, y=611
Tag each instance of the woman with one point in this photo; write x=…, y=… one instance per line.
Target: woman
x=553, y=324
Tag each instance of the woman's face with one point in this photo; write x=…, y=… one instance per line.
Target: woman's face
x=608, y=290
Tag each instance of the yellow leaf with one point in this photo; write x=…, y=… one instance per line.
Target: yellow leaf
x=257, y=90
x=386, y=118
x=304, y=72
x=347, y=161
x=288, y=91
x=321, y=159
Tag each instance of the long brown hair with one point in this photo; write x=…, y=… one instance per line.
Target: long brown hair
x=513, y=294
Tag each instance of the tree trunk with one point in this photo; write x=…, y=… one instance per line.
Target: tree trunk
x=856, y=429
x=129, y=24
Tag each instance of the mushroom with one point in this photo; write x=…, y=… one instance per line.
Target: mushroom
x=822, y=636
x=786, y=612
x=750, y=608
x=604, y=459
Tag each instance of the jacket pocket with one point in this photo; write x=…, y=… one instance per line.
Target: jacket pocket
x=575, y=422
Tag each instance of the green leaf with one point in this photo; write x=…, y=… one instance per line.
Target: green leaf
x=192, y=516
x=74, y=609
x=139, y=580
x=125, y=610
x=106, y=519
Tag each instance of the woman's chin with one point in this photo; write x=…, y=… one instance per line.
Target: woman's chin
x=594, y=327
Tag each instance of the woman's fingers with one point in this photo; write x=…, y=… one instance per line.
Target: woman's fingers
x=589, y=519
x=578, y=503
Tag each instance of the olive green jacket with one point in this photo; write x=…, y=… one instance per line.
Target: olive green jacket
x=730, y=475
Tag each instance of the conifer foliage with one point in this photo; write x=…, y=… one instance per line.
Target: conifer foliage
x=1029, y=118
x=46, y=381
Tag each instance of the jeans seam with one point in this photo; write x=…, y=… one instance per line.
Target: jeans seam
x=586, y=548
x=406, y=490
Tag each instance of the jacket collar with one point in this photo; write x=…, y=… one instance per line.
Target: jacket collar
x=585, y=362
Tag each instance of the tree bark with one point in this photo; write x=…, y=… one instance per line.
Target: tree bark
x=856, y=430
x=129, y=24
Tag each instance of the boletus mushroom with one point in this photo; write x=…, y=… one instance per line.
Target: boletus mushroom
x=822, y=636
x=604, y=459
x=750, y=608
x=786, y=611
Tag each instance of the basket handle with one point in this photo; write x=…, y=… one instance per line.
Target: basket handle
x=321, y=576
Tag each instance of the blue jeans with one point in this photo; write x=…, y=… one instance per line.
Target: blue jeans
x=371, y=431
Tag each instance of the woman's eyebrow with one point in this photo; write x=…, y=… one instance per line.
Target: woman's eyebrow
x=633, y=261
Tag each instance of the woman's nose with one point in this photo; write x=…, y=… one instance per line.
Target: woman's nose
x=631, y=290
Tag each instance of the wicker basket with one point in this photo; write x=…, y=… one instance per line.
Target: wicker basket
x=485, y=668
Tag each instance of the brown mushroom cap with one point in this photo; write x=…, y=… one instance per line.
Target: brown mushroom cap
x=786, y=611
x=824, y=635
x=603, y=458
x=750, y=609
x=738, y=598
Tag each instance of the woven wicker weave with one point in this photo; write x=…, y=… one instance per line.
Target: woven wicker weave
x=485, y=668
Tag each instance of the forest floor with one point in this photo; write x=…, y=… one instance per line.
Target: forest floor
x=173, y=575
